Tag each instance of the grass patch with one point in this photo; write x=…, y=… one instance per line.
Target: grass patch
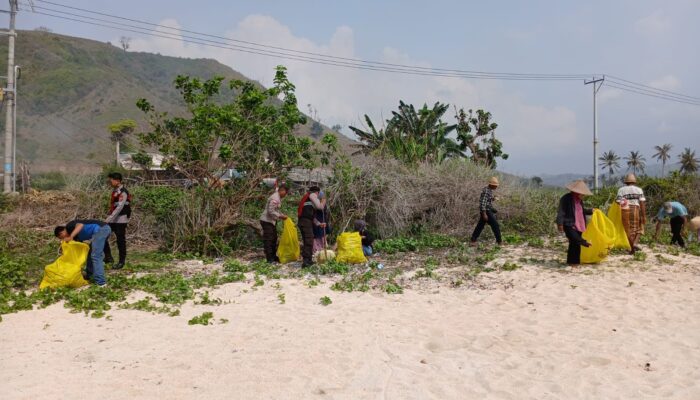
x=203, y=319
x=325, y=301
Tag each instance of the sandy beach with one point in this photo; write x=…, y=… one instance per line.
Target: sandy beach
x=534, y=333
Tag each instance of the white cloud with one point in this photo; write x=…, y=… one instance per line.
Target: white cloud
x=668, y=82
x=344, y=95
x=653, y=24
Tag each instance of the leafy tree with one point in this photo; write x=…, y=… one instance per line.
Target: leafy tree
x=476, y=133
x=663, y=154
x=316, y=130
x=119, y=131
x=125, y=42
x=636, y=162
x=337, y=127
x=143, y=159
x=536, y=181
x=610, y=161
x=689, y=163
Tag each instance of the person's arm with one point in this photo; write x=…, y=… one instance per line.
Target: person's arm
x=643, y=211
x=685, y=223
x=117, y=208
x=273, y=209
x=658, y=229
x=313, y=197
x=76, y=231
x=483, y=205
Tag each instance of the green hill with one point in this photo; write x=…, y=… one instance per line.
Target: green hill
x=72, y=88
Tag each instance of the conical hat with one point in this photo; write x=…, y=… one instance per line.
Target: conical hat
x=630, y=178
x=579, y=187
x=493, y=181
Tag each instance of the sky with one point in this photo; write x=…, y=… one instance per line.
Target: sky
x=546, y=127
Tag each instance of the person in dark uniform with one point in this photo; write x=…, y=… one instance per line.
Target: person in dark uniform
x=119, y=214
x=308, y=206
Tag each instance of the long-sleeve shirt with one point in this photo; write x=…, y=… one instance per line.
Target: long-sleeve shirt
x=486, y=200
x=114, y=216
x=272, y=213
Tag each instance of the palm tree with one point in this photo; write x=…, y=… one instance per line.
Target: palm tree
x=636, y=162
x=610, y=161
x=689, y=163
x=663, y=154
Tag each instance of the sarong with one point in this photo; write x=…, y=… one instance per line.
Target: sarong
x=632, y=220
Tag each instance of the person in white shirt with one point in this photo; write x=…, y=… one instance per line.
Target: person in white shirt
x=633, y=205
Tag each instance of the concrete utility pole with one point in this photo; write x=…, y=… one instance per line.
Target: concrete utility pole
x=597, y=83
x=8, y=175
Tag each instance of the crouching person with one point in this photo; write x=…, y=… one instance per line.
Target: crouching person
x=97, y=232
x=367, y=239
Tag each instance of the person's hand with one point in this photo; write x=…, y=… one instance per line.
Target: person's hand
x=283, y=217
x=67, y=239
x=323, y=225
x=484, y=217
x=560, y=228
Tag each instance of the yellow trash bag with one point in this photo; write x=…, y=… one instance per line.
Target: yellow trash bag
x=615, y=215
x=350, y=248
x=600, y=233
x=288, y=249
x=66, y=271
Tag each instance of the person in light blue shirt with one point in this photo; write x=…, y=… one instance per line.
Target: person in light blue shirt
x=678, y=217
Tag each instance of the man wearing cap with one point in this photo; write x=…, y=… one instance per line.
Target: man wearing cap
x=571, y=219
x=487, y=214
x=633, y=205
x=268, y=222
x=678, y=217
x=308, y=206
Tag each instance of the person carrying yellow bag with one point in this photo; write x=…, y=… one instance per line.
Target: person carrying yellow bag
x=571, y=219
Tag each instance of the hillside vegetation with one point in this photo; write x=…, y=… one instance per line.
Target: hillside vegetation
x=72, y=88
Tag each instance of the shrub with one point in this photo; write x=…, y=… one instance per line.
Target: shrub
x=49, y=181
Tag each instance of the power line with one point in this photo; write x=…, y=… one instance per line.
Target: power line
x=627, y=89
x=293, y=51
x=206, y=42
x=652, y=88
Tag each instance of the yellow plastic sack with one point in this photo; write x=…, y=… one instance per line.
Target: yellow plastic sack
x=66, y=271
x=615, y=215
x=600, y=233
x=288, y=249
x=350, y=248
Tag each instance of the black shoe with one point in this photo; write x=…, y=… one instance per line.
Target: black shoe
x=119, y=265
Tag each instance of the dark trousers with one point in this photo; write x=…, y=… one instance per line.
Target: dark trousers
x=493, y=223
x=676, y=228
x=120, y=232
x=573, y=254
x=269, y=241
x=306, y=225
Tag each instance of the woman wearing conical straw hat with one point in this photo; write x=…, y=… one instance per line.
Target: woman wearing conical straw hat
x=634, y=215
x=571, y=219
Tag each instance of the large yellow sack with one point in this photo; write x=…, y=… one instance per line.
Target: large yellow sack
x=66, y=271
x=350, y=248
x=288, y=249
x=600, y=233
x=615, y=215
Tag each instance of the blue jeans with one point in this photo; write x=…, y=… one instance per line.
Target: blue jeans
x=367, y=250
x=95, y=263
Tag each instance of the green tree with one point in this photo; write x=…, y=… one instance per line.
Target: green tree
x=610, y=161
x=636, y=162
x=476, y=133
x=663, y=154
x=119, y=131
x=689, y=163
x=536, y=181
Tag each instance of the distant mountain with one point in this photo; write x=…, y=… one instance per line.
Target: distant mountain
x=72, y=88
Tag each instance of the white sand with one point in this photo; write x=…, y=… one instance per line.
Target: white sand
x=553, y=335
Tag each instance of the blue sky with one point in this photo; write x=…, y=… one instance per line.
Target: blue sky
x=545, y=126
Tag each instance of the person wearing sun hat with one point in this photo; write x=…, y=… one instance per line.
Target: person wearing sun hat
x=487, y=213
x=571, y=219
x=633, y=206
x=678, y=217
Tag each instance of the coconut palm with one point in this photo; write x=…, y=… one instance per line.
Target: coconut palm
x=636, y=162
x=689, y=163
x=610, y=161
x=663, y=154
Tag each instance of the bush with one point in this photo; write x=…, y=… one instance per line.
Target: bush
x=49, y=181
x=13, y=273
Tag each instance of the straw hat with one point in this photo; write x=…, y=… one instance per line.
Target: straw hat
x=630, y=178
x=579, y=187
x=493, y=181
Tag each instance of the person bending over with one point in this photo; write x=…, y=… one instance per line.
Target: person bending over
x=97, y=233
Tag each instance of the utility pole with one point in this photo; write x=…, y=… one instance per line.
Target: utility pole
x=8, y=175
x=597, y=83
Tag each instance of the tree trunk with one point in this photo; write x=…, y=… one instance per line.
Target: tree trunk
x=117, y=146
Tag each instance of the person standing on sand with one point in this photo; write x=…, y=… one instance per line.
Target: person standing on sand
x=97, y=232
x=119, y=214
x=634, y=215
x=268, y=221
x=678, y=217
x=487, y=213
x=571, y=219
x=308, y=206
